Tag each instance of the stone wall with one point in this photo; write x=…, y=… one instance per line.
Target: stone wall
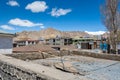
x=10, y=72
x=35, y=55
x=15, y=69
x=38, y=55
x=30, y=56
x=97, y=55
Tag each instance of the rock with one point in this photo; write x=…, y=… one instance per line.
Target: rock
x=66, y=66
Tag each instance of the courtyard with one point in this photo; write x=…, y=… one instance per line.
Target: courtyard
x=87, y=67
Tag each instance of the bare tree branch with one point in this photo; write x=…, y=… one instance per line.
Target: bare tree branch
x=111, y=19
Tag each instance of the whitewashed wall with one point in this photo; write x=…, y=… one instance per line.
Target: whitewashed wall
x=6, y=44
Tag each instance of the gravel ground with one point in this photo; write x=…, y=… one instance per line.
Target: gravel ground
x=91, y=68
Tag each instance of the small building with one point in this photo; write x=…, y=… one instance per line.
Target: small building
x=6, y=43
x=84, y=43
x=42, y=40
x=25, y=42
x=59, y=41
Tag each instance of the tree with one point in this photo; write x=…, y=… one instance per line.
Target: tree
x=111, y=19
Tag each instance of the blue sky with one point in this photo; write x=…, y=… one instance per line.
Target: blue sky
x=67, y=15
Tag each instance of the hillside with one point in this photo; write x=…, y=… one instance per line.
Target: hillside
x=48, y=33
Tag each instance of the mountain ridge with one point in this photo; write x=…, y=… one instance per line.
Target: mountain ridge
x=49, y=33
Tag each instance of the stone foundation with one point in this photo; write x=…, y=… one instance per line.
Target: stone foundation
x=15, y=69
x=30, y=56
x=97, y=55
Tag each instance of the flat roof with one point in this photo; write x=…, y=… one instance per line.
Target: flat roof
x=82, y=38
x=25, y=40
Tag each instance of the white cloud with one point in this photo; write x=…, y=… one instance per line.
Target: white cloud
x=42, y=27
x=95, y=33
x=37, y=6
x=6, y=27
x=23, y=23
x=13, y=3
x=59, y=12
